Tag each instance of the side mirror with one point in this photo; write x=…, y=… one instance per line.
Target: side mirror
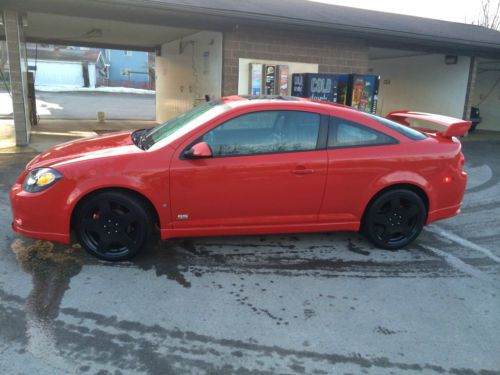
x=200, y=150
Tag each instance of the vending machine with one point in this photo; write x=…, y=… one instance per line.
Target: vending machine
x=355, y=90
x=268, y=79
x=256, y=72
x=299, y=82
x=362, y=92
x=342, y=88
x=283, y=73
x=315, y=86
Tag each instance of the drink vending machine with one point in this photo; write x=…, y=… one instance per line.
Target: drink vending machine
x=355, y=90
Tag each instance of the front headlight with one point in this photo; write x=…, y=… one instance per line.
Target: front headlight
x=40, y=179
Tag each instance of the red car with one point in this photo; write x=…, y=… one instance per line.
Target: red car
x=245, y=165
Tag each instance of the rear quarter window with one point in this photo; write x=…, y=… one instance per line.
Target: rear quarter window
x=345, y=133
x=401, y=129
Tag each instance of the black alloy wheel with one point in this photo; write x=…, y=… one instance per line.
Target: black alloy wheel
x=113, y=225
x=394, y=219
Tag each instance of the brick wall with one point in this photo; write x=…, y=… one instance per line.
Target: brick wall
x=332, y=54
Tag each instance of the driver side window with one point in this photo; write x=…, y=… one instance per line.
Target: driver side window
x=265, y=132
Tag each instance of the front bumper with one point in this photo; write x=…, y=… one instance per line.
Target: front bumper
x=43, y=215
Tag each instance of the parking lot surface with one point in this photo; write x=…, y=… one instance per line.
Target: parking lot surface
x=307, y=303
x=85, y=105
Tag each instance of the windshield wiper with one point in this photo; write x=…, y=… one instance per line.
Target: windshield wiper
x=140, y=138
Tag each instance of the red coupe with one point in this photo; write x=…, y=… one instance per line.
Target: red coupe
x=247, y=165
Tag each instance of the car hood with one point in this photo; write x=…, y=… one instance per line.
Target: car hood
x=105, y=145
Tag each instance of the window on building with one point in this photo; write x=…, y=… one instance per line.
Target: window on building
x=265, y=132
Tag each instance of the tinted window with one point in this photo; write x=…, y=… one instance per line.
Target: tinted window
x=345, y=133
x=402, y=129
x=265, y=132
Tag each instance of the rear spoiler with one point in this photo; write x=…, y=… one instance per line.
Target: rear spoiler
x=453, y=127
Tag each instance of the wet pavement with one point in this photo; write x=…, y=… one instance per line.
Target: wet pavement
x=306, y=303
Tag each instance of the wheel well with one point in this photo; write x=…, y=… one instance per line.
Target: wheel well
x=151, y=208
x=414, y=188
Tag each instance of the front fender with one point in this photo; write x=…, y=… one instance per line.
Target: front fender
x=131, y=183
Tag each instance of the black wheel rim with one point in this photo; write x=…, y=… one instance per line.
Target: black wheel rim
x=396, y=220
x=111, y=229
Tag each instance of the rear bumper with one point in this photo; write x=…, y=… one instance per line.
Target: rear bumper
x=448, y=201
x=443, y=213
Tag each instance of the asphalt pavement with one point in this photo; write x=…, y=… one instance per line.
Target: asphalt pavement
x=85, y=105
x=307, y=303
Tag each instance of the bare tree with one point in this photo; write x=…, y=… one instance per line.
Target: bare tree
x=489, y=15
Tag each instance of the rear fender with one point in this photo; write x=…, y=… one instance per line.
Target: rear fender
x=404, y=178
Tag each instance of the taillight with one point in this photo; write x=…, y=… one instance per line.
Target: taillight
x=461, y=161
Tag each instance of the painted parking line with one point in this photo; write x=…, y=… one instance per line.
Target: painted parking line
x=460, y=265
x=462, y=241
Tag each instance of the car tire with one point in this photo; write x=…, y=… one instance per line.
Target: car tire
x=113, y=225
x=394, y=219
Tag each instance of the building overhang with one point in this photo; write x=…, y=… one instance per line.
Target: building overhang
x=181, y=17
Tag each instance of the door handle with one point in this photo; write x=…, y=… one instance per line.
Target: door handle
x=302, y=171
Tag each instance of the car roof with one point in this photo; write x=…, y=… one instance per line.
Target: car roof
x=243, y=100
x=333, y=109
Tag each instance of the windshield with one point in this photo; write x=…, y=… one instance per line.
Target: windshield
x=183, y=123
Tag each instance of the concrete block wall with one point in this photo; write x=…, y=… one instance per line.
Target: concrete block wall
x=332, y=54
